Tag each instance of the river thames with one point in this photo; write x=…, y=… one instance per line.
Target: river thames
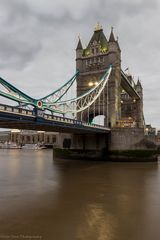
x=46, y=198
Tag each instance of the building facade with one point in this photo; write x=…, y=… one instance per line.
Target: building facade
x=22, y=137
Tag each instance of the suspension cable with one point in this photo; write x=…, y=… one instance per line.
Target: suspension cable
x=94, y=109
x=88, y=114
x=107, y=104
x=84, y=101
x=99, y=100
x=103, y=103
x=82, y=116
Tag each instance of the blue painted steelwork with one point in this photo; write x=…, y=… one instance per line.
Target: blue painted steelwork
x=15, y=90
x=20, y=97
x=51, y=102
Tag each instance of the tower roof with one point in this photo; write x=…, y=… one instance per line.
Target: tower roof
x=99, y=37
x=111, y=38
x=79, y=45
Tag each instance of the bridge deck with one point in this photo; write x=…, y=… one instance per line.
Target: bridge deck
x=12, y=117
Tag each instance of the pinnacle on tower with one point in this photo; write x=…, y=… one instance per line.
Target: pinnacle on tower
x=139, y=83
x=111, y=38
x=79, y=45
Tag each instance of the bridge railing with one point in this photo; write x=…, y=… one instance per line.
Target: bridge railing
x=26, y=112
x=71, y=121
x=16, y=110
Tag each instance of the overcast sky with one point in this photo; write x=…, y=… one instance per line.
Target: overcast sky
x=38, y=40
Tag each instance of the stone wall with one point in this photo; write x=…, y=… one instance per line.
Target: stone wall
x=119, y=139
x=130, y=139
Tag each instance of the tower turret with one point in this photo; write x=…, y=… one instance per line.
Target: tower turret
x=79, y=53
x=113, y=43
x=140, y=116
x=79, y=49
x=112, y=38
x=139, y=88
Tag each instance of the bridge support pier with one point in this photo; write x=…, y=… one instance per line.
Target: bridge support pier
x=89, y=141
x=81, y=146
x=131, y=144
x=122, y=144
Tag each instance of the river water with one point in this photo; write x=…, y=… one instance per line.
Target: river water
x=53, y=199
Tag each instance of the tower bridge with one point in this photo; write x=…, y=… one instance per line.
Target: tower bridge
x=102, y=88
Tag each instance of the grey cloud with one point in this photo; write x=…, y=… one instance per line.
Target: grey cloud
x=19, y=41
x=114, y=10
x=90, y=8
x=16, y=53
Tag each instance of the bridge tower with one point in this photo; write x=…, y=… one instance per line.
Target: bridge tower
x=92, y=63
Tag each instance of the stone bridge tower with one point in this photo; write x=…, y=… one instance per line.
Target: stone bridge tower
x=92, y=63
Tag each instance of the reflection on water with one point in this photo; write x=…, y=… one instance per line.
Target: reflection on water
x=97, y=223
x=83, y=200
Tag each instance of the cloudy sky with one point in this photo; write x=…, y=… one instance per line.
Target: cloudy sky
x=38, y=40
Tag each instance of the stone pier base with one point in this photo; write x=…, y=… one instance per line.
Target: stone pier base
x=122, y=144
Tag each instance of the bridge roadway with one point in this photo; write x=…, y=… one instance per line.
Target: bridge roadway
x=19, y=118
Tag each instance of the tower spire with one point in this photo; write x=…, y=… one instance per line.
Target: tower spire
x=79, y=45
x=111, y=38
x=139, y=83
